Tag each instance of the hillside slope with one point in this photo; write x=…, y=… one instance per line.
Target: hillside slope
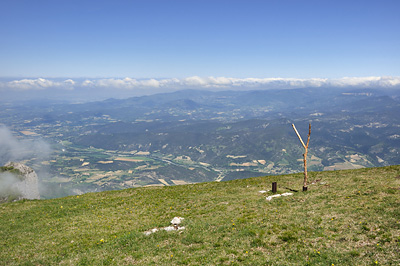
x=349, y=217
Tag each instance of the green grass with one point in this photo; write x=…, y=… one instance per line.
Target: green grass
x=347, y=218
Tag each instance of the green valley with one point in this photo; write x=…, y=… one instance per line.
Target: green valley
x=198, y=136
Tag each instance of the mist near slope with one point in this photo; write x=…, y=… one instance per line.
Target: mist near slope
x=7, y=181
x=14, y=149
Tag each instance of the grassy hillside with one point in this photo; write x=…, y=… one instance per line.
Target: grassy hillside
x=346, y=218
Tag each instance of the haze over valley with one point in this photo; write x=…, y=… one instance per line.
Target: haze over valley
x=192, y=136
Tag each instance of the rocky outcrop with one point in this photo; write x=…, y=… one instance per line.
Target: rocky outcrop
x=175, y=226
x=28, y=182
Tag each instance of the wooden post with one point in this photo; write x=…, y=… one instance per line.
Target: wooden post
x=274, y=187
x=305, y=153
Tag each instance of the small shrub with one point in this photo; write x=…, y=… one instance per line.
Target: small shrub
x=257, y=242
x=192, y=239
x=288, y=236
x=365, y=227
x=354, y=253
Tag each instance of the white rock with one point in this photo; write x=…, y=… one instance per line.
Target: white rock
x=273, y=196
x=177, y=220
x=269, y=198
x=262, y=191
x=174, y=227
x=151, y=231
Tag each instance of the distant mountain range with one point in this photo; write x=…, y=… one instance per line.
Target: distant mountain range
x=196, y=136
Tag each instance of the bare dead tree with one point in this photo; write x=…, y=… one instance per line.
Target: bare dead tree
x=305, y=153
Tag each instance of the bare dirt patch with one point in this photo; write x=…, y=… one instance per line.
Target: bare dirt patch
x=128, y=159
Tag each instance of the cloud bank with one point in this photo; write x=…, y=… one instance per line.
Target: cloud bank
x=37, y=84
x=85, y=90
x=196, y=82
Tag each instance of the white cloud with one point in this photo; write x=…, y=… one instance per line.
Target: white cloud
x=196, y=82
x=69, y=82
x=37, y=84
x=151, y=83
x=368, y=82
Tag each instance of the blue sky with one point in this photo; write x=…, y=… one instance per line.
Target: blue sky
x=177, y=39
